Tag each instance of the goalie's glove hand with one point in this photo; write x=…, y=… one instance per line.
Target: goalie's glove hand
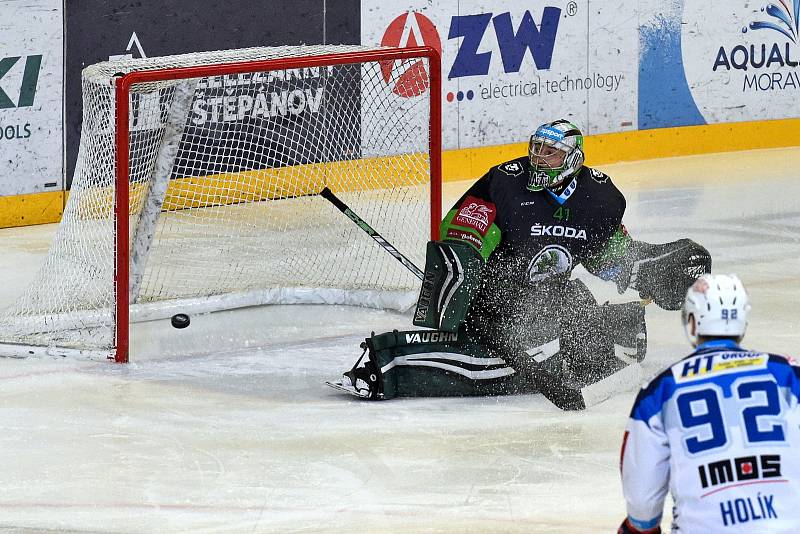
x=627, y=528
x=663, y=273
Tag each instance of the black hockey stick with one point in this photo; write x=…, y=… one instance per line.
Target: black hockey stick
x=361, y=223
x=554, y=389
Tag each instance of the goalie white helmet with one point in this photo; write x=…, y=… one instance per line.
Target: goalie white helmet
x=715, y=306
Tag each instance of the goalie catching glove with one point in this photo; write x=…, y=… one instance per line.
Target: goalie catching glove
x=661, y=273
x=664, y=272
x=452, y=276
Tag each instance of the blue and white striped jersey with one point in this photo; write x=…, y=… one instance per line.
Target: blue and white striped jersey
x=721, y=430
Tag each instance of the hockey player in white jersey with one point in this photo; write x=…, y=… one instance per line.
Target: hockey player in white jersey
x=720, y=429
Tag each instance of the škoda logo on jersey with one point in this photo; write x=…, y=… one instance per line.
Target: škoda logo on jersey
x=557, y=231
x=476, y=213
x=717, y=364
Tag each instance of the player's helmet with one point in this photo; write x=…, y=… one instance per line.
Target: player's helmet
x=556, y=154
x=715, y=306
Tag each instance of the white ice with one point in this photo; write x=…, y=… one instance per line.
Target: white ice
x=250, y=440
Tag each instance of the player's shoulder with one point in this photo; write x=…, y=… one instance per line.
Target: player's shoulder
x=787, y=365
x=723, y=362
x=653, y=395
x=598, y=180
x=702, y=364
x=512, y=168
x=780, y=359
x=719, y=363
x=598, y=185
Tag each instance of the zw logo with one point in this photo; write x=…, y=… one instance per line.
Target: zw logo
x=513, y=45
x=409, y=78
x=739, y=469
x=30, y=79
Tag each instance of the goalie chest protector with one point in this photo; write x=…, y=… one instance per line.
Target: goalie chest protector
x=563, y=228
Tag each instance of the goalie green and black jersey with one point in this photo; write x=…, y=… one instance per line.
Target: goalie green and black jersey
x=528, y=236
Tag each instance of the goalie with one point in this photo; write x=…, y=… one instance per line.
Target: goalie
x=497, y=290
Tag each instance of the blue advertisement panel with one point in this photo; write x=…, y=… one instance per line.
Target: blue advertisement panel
x=715, y=62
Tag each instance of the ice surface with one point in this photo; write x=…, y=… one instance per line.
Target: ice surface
x=244, y=436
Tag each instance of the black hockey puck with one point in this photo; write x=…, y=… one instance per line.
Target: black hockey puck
x=180, y=320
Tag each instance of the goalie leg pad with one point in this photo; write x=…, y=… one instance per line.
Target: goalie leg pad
x=452, y=277
x=434, y=363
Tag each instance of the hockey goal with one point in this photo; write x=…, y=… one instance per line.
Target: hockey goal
x=197, y=188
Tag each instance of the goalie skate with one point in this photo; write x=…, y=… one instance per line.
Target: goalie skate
x=360, y=382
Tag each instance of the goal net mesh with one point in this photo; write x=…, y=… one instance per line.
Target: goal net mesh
x=224, y=180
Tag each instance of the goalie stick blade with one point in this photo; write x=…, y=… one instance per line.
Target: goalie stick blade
x=561, y=394
x=569, y=396
x=631, y=374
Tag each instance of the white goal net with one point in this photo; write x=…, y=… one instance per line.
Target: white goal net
x=226, y=155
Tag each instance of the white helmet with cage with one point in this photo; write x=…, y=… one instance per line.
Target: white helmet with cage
x=555, y=151
x=715, y=306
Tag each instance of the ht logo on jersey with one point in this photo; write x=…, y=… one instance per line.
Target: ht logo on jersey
x=724, y=363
